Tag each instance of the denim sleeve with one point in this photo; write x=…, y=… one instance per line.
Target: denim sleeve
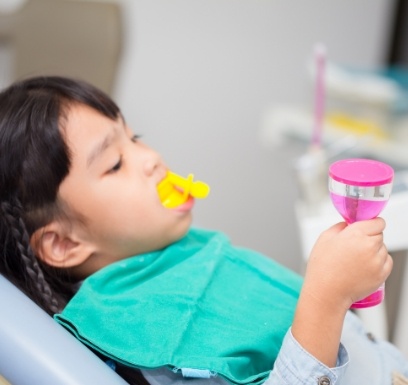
x=295, y=366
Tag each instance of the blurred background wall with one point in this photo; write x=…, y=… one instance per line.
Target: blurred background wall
x=196, y=77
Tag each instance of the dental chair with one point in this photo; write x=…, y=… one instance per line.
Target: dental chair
x=34, y=349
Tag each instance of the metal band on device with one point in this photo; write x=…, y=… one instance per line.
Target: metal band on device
x=372, y=193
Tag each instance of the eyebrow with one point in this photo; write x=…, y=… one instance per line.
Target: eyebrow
x=100, y=148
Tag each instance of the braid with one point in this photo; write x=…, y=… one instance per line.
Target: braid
x=35, y=281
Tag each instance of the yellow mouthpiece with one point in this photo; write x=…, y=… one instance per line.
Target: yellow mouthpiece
x=174, y=190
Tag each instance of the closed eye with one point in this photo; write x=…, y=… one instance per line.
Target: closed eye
x=135, y=138
x=119, y=164
x=116, y=167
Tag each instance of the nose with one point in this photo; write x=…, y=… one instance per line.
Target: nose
x=152, y=162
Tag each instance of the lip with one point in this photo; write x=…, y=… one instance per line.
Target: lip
x=186, y=206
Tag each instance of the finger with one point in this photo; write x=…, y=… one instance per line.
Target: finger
x=378, y=239
x=372, y=226
x=388, y=265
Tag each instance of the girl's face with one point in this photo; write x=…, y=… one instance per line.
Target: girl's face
x=112, y=184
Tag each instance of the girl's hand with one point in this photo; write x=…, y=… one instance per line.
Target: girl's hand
x=347, y=263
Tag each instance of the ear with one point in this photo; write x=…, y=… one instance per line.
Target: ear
x=56, y=245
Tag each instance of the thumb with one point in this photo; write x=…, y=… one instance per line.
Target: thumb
x=333, y=230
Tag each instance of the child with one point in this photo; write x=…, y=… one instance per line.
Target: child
x=84, y=234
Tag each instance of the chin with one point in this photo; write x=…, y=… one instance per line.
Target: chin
x=182, y=230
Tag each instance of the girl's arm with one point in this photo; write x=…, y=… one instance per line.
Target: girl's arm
x=347, y=263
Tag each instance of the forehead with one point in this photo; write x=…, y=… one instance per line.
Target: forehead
x=84, y=127
x=80, y=117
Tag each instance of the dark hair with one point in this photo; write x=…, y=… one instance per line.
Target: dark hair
x=34, y=160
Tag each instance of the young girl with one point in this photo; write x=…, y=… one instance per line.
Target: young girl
x=85, y=235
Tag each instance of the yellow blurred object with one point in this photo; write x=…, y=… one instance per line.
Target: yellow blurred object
x=174, y=190
x=3, y=381
x=356, y=126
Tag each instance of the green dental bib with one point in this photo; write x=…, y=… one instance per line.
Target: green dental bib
x=199, y=305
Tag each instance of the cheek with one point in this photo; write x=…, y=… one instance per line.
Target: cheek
x=129, y=206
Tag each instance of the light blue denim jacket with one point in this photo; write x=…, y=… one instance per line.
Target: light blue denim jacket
x=361, y=360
